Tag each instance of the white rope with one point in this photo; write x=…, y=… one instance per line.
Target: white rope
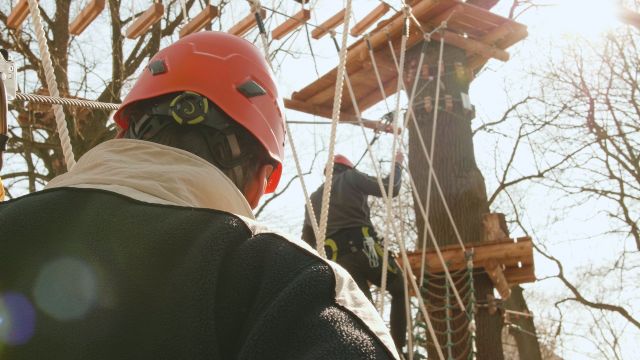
x=308, y=204
x=335, y=117
x=383, y=191
x=434, y=127
x=52, y=84
x=426, y=154
x=255, y=7
x=385, y=257
x=413, y=184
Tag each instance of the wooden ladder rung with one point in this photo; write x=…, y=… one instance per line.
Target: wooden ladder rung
x=18, y=14
x=86, y=17
x=329, y=24
x=247, y=23
x=368, y=20
x=142, y=24
x=199, y=22
x=291, y=24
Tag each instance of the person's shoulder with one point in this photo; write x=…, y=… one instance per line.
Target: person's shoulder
x=346, y=292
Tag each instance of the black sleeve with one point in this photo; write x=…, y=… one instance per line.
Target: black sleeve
x=369, y=184
x=284, y=308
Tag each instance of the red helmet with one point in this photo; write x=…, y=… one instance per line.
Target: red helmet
x=341, y=159
x=229, y=71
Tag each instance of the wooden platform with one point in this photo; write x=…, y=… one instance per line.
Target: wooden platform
x=507, y=261
x=481, y=33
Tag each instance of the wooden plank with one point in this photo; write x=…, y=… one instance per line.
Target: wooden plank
x=142, y=24
x=516, y=275
x=326, y=112
x=508, y=254
x=247, y=23
x=497, y=34
x=519, y=33
x=291, y=24
x=199, y=22
x=390, y=86
x=368, y=20
x=494, y=270
x=329, y=24
x=472, y=46
x=86, y=17
x=18, y=14
x=481, y=44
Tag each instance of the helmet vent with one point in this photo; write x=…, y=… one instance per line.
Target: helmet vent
x=158, y=67
x=251, y=89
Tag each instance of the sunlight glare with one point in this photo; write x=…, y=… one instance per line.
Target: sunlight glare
x=584, y=18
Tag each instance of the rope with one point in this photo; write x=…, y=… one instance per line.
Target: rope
x=433, y=136
x=337, y=100
x=66, y=101
x=414, y=188
x=428, y=157
x=52, y=84
x=383, y=191
x=255, y=5
x=385, y=246
x=292, y=17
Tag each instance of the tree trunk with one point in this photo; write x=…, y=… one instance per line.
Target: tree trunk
x=462, y=184
x=525, y=333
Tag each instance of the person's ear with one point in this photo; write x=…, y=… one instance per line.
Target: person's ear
x=254, y=188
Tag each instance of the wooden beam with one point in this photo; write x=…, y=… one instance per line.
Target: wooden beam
x=142, y=24
x=390, y=86
x=329, y=24
x=18, y=14
x=516, y=275
x=199, y=22
x=494, y=270
x=291, y=24
x=86, y=17
x=508, y=254
x=368, y=20
x=378, y=37
x=326, y=112
x=247, y=23
x=472, y=46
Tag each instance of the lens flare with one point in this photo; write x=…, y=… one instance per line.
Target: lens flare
x=17, y=319
x=66, y=289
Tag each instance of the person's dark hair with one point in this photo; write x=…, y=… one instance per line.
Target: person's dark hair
x=232, y=149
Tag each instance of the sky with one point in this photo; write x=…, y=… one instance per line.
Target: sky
x=562, y=21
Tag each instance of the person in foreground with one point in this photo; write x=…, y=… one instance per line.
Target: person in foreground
x=148, y=248
x=351, y=239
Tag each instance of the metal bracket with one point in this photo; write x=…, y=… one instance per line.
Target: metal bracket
x=8, y=74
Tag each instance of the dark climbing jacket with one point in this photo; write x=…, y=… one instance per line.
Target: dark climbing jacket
x=349, y=206
x=107, y=265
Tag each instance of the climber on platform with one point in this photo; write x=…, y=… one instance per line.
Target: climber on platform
x=351, y=240
x=148, y=247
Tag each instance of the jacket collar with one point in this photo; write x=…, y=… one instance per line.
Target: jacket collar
x=157, y=174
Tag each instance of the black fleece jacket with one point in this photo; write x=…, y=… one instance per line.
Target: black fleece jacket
x=89, y=274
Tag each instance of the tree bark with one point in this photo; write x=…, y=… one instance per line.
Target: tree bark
x=462, y=184
x=526, y=339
